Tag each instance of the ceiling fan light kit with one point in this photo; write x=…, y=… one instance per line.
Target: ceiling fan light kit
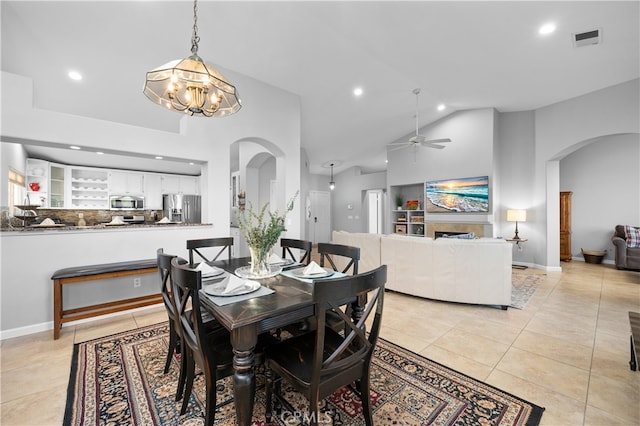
x=191, y=86
x=419, y=139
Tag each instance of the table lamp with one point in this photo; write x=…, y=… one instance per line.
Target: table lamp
x=516, y=216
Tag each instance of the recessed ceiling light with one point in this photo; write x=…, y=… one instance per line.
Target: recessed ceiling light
x=75, y=75
x=159, y=157
x=441, y=107
x=192, y=164
x=358, y=91
x=99, y=152
x=74, y=147
x=547, y=29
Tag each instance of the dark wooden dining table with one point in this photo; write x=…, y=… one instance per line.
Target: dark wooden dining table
x=291, y=301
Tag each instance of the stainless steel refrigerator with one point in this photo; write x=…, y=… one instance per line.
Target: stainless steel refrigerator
x=182, y=208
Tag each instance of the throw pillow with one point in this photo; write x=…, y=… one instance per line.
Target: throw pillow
x=632, y=235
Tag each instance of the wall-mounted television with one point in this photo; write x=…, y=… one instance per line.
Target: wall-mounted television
x=464, y=195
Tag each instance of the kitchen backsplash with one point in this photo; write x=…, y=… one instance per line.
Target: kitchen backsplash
x=94, y=217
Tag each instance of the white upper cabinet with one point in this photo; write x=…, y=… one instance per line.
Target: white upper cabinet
x=126, y=183
x=174, y=184
x=153, y=191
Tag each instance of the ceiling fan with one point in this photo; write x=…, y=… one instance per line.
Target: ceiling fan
x=419, y=139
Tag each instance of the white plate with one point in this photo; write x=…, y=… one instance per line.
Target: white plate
x=300, y=273
x=217, y=289
x=213, y=274
x=284, y=262
x=53, y=225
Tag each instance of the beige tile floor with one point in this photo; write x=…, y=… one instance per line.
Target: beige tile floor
x=567, y=350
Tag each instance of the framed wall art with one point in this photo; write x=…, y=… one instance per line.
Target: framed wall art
x=463, y=195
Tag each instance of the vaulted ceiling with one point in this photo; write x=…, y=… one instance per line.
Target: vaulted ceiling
x=462, y=54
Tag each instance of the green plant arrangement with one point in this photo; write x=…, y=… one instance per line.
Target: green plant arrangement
x=262, y=233
x=399, y=201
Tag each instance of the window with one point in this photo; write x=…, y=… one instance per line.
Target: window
x=16, y=190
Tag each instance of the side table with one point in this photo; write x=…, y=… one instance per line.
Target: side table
x=518, y=241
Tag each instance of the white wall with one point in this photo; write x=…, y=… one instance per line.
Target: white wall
x=269, y=115
x=351, y=185
x=561, y=129
x=605, y=191
x=470, y=153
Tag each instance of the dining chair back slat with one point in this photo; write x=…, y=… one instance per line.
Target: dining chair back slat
x=306, y=246
x=196, y=246
x=340, y=257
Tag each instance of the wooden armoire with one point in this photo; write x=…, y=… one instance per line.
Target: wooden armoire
x=565, y=226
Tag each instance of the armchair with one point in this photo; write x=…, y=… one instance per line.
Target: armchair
x=626, y=257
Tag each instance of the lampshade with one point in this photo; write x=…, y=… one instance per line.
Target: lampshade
x=516, y=215
x=191, y=86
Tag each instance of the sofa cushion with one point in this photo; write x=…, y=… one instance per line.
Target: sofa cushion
x=632, y=235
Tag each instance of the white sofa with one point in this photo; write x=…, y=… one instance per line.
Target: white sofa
x=474, y=271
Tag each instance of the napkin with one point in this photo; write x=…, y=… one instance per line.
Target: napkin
x=274, y=259
x=313, y=269
x=47, y=222
x=164, y=220
x=116, y=219
x=206, y=269
x=236, y=285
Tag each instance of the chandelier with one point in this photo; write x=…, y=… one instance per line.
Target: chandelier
x=191, y=86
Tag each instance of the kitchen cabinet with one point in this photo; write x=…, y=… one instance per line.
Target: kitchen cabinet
x=89, y=188
x=57, y=185
x=153, y=191
x=174, y=184
x=126, y=183
x=37, y=182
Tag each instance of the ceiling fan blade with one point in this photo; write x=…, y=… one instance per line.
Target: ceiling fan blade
x=444, y=140
x=432, y=145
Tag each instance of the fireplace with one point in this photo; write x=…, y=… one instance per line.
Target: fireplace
x=437, y=229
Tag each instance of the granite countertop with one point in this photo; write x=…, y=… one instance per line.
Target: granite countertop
x=98, y=226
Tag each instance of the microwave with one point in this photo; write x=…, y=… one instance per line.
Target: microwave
x=126, y=202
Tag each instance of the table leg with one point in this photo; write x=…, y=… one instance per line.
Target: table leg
x=57, y=308
x=244, y=341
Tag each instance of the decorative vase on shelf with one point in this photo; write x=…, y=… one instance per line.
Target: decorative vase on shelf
x=261, y=234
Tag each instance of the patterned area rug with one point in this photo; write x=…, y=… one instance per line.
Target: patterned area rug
x=118, y=380
x=522, y=288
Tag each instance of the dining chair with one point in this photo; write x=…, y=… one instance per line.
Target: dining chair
x=195, y=246
x=210, y=349
x=319, y=363
x=306, y=246
x=164, y=269
x=341, y=255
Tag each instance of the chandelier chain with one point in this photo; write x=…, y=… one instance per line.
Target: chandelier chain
x=195, y=38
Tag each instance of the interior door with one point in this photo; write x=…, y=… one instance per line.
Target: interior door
x=320, y=217
x=374, y=205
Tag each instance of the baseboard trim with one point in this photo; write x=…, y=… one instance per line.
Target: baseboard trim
x=46, y=326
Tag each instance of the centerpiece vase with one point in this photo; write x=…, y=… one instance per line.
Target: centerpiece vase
x=260, y=261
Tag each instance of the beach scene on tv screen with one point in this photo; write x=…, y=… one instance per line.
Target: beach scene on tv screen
x=464, y=195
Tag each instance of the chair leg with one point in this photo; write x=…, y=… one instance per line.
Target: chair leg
x=210, y=410
x=268, y=415
x=173, y=340
x=184, y=354
x=365, y=398
x=189, y=385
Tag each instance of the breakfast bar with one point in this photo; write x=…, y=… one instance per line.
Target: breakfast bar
x=31, y=258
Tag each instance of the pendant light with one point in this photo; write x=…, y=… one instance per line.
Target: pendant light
x=191, y=86
x=332, y=184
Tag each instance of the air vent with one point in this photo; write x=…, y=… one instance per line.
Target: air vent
x=587, y=38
